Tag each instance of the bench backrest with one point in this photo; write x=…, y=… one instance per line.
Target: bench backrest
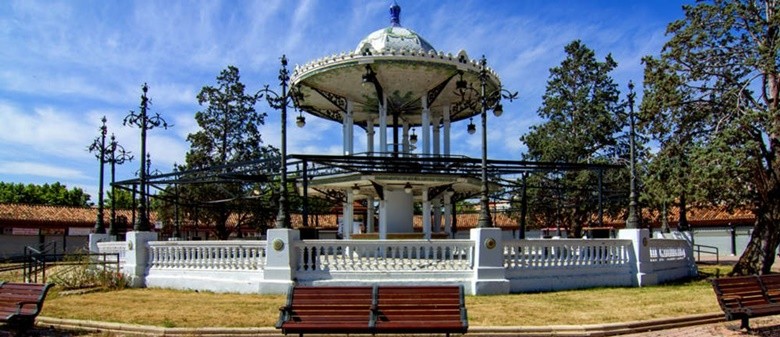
x=433, y=303
x=735, y=292
x=11, y=294
x=771, y=283
x=330, y=303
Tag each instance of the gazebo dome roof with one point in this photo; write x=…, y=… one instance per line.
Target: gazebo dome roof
x=394, y=37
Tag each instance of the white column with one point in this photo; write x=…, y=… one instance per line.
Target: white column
x=426, y=214
x=350, y=129
x=349, y=223
x=343, y=227
x=448, y=213
x=370, y=136
x=344, y=133
x=137, y=257
x=382, y=220
x=370, y=219
x=436, y=215
x=281, y=257
x=383, y=127
x=436, y=136
x=425, y=131
x=446, y=130
x=489, y=272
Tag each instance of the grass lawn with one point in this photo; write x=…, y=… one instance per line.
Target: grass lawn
x=170, y=308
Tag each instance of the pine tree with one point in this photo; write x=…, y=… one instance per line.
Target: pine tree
x=583, y=114
x=712, y=97
x=228, y=134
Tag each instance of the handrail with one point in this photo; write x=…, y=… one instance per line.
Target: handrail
x=713, y=250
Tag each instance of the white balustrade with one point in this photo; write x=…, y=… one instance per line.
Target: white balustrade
x=207, y=255
x=531, y=254
x=668, y=250
x=384, y=255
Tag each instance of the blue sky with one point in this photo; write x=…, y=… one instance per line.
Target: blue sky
x=66, y=64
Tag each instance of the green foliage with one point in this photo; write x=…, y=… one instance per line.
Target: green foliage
x=229, y=133
x=584, y=120
x=124, y=199
x=55, y=194
x=711, y=101
x=228, y=126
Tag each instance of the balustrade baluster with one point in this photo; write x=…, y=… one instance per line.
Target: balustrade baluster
x=199, y=257
x=153, y=257
x=323, y=263
x=165, y=253
x=187, y=256
x=223, y=258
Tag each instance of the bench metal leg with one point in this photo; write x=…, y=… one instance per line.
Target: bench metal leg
x=745, y=324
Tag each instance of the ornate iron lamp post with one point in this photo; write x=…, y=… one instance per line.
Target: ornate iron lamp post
x=633, y=220
x=281, y=101
x=145, y=123
x=488, y=101
x=99, y=146
x=177, y=231
x=118, y=156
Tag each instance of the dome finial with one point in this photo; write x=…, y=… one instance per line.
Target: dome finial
x=395, y=15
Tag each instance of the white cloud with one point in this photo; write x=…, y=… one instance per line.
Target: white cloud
x=73, y=62
x=40, y=169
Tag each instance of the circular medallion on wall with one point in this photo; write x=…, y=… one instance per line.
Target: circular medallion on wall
x=278, y=245
x=490, y=243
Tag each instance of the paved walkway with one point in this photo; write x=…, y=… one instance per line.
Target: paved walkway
x=763, y=326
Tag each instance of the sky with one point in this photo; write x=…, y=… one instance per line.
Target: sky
x=66, y=64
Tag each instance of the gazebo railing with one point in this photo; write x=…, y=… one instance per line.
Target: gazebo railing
x=384, y=255
x=215, y=255
x=533, y=254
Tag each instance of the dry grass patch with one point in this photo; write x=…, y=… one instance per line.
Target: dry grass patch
x=591, y=306
x=171, y=308
x=168, y=308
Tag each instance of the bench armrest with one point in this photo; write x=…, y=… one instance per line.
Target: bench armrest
x=20, y=305
x=284, y=315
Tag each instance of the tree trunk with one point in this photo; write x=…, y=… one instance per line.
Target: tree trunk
x=221, y=224
x=759, y=255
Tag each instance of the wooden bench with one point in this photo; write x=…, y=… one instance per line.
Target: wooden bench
x=744, y=297
x=434, y=309
x=326, y=310
x=371, y=310
x=20, y=303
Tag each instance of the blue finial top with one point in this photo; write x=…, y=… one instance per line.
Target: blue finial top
x=395, y=15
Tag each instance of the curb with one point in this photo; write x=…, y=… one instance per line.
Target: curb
x=609, y=329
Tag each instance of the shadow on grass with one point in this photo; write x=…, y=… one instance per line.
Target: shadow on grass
x=40, y=331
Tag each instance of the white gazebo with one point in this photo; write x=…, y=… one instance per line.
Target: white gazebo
x=395, y=84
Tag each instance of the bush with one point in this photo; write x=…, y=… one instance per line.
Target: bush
x=80, y=271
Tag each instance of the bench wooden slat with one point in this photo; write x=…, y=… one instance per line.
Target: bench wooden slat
x=372, y=310
x=743, y=297
x=439, y=309
x=326, y=309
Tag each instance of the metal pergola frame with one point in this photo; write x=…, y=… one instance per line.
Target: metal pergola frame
x=304, y=167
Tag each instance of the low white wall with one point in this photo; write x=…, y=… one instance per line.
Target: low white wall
x=395, y=262
x=671, y=260
x=549, y=265
x=220, y=266
x=505, y=265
